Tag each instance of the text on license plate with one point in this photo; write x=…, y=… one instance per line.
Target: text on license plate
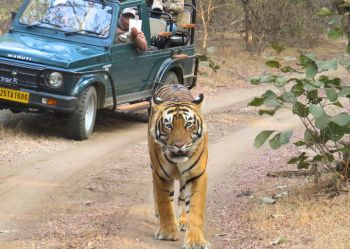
x=14, y=95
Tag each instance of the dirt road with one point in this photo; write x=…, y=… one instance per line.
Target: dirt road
x=97, y=193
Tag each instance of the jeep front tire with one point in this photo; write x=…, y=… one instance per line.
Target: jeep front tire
x=81, y=122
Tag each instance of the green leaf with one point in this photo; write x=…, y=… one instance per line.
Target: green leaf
x=335, y=33
x=332, y=132
x=330, y=82
x=316, y=110
x=281, y=81
x=323, y=12
x=311, y=70
x=204, y=74
x=280, y=139
x=330, y=157
x=345, y=91
x=348, y=49
x=300, y=109
x=303, y=165
x=312, y=97
x=203, y=57
x=288, y=69
x=256, y=102
x=285, y=136
x=317, y=158
x=261, y=138
x=267, y=112
x=289, y=97
x=254, y=80
x=293, y=160
x=310, y=137
x=273, y=64
x=298, y=89
x=274, y=142
x=322, y=122
x=318, y=83
x=277, y=47
x=304, y=61
x=299, y=143
x=334, y=20
x=311, y=56
x=342, y=119
x=327, y=65
x=268, y=78
x=337, y=103
x=331, y=94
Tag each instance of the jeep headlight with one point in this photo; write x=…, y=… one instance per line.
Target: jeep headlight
x=55, y=79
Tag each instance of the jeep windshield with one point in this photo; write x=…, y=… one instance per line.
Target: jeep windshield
x=70, y=16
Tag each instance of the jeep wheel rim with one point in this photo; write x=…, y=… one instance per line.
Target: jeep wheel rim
x=90, y=114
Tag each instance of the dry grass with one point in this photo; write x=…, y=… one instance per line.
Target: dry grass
x=237, y=65
x=307, y=218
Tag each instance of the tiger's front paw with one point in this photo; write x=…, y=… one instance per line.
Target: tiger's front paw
x=197, y=246
x=195, y=240
x=167, y=234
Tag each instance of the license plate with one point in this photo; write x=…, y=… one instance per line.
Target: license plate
x=14, y=95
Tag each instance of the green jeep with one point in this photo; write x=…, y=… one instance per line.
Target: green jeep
x=61, y=56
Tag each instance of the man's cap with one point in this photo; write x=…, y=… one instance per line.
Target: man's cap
x=156, y=6
x=129, y=11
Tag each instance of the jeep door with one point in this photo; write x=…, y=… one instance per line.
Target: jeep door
x=130, y=69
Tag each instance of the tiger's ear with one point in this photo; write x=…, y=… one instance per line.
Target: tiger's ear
x=156, y=101
x=198, y=100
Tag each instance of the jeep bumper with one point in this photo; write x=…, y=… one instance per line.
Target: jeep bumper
x=62, y=103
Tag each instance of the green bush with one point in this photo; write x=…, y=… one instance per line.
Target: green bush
x=305, y=91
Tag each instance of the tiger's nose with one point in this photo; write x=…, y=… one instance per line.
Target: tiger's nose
x=179, y=144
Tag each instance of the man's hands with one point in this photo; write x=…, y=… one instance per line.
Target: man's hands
x=134, y=33
x=139, y=39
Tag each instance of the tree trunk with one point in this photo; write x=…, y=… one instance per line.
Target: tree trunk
x=248, y=26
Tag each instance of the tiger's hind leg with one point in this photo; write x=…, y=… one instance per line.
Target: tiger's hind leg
x=164, y=193
x=194, y=238
x=182, y=208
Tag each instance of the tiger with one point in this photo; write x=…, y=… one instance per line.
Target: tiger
x=178, y=148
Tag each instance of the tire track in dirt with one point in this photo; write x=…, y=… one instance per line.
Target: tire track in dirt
x=26, y=191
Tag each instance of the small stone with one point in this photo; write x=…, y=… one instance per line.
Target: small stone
x=278, y=241
x=280, y=195
x=268, y=200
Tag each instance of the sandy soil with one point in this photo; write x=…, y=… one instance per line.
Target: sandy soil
x=97, y=193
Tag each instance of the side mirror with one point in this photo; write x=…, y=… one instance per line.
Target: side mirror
x=13, y=15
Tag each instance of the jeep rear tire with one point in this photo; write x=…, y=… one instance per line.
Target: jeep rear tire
x=171, y=79
x=81, y=122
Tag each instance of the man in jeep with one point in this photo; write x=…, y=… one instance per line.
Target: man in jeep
x=123, y=33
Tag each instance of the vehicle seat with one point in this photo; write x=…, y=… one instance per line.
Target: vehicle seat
x=159, y=37
x=184, y=27
x=157, y=26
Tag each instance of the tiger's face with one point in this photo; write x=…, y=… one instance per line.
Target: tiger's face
x=178, y=129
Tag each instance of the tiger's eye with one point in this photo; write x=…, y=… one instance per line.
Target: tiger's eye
x=188, y=124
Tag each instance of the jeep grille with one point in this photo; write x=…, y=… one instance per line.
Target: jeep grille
x=26, y=77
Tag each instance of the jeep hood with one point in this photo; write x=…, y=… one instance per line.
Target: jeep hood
x=52, y=52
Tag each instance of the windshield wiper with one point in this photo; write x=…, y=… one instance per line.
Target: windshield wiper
x=82, y=30
x=43, y=22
